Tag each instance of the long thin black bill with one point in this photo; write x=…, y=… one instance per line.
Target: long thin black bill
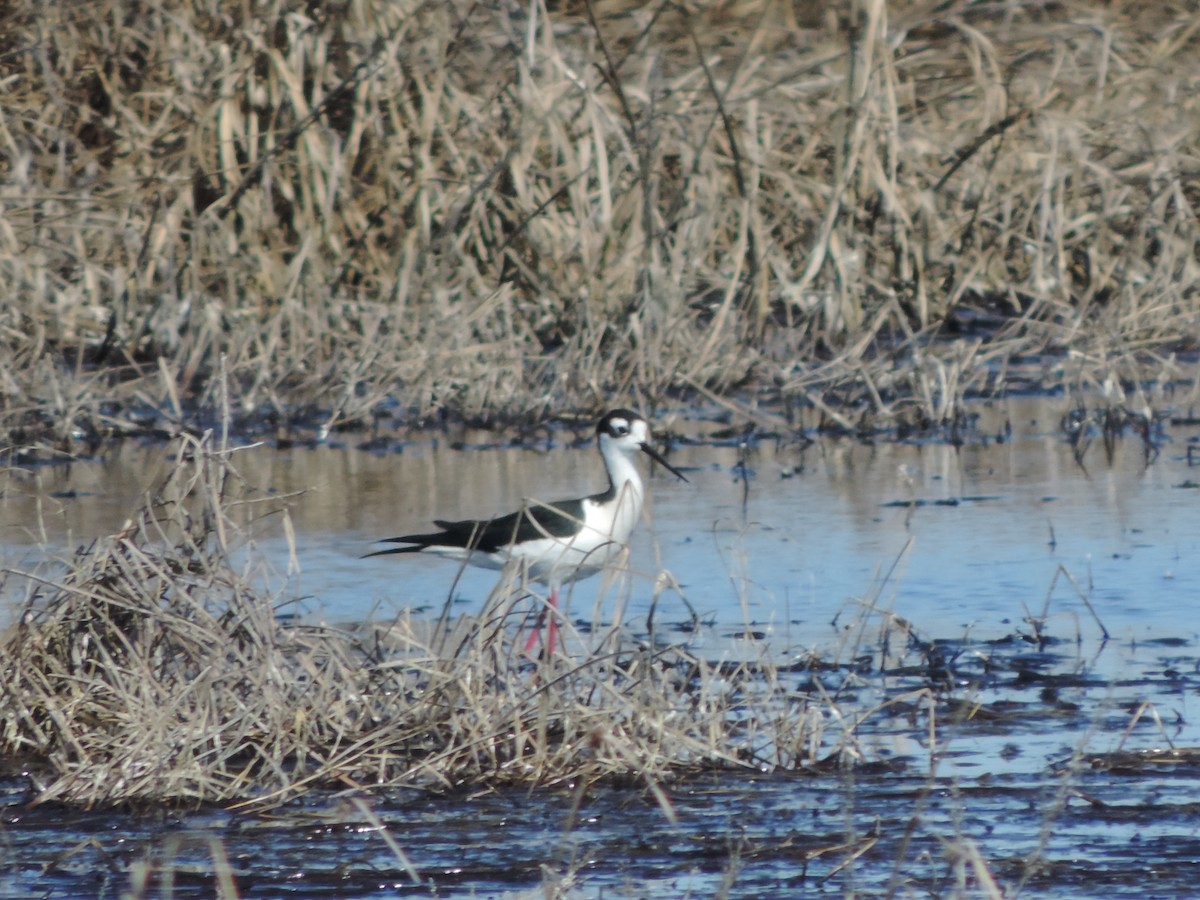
x=657, y=457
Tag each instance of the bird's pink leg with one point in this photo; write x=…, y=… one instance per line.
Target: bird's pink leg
x=551, y=629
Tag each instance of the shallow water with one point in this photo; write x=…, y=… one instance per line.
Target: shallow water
x=986, y=528
x=773, y=541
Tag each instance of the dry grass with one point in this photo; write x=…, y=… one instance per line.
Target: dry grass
x=497, y=210
x=152, y=669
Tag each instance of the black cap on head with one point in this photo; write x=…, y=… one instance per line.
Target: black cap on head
x=613, y=420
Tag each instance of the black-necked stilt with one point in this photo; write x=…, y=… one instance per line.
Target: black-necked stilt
x=560, y=542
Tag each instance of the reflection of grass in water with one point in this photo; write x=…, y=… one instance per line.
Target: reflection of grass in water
x=498, y=211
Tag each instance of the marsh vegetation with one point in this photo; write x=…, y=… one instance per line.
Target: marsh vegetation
x=500, y=213
x=226, y=222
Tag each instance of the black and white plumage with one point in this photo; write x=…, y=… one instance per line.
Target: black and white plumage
x=559, y=542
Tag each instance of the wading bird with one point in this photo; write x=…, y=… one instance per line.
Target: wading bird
x=560, y=542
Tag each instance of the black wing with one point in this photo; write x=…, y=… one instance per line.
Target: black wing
x=559, y=519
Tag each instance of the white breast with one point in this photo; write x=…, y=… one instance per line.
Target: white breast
x=603, y=534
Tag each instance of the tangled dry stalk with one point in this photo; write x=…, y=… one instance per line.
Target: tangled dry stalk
x=496, y=210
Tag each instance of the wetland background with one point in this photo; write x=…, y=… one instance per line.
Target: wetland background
x=344, y=229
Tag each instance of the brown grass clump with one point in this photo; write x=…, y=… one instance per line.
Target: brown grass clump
x=496, y=210
x=153, y=670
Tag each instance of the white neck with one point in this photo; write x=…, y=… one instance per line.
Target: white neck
x=623, y=473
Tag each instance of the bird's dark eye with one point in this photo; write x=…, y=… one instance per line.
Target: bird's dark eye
x=620, y=428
